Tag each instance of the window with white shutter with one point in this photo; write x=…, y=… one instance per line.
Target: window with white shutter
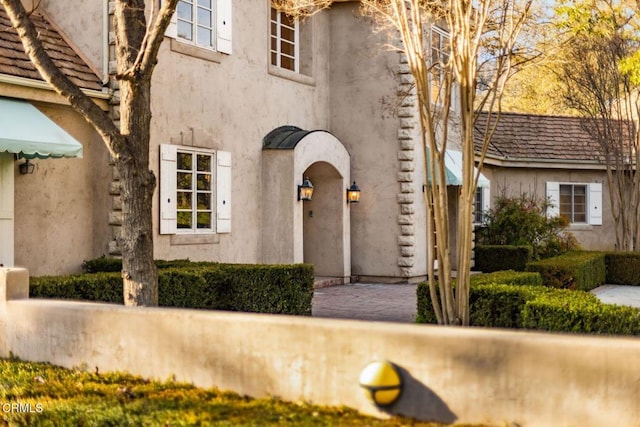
x=195, y=190
x=203, y=23
x=579, y=203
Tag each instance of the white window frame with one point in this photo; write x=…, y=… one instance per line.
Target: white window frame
x=483, y=199
x=221, y=25
x=593, y=202
x=443, y=58
x=220, y=191
x=195, y=23
x=193, y=190
x=279, y=25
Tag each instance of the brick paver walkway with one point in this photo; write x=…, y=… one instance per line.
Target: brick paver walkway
x=366, y=301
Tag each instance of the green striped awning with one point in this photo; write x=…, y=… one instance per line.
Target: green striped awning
x=27, y=132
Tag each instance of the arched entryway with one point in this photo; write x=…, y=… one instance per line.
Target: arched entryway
x=323, y=244
x=316, y=231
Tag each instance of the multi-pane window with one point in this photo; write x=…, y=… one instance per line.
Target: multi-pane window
x=194, y=191
x=284, y=41
x=573, y=202
x=439, y=57
x=196, y=22
x=478, y=206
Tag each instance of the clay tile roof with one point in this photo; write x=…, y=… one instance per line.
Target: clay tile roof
x=15, y=62
x=537, y=137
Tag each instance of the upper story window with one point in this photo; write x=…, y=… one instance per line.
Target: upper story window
x=196, y=22
x=284, y=41
x=201, y=24
x=439, y=57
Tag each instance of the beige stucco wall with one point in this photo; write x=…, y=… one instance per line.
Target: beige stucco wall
x=231, y=103
x=61, y=209
x=362, y=74
x=515, y=181
x=466, y=375
x=83, y=27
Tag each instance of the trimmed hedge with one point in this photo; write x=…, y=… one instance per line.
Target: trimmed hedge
x=541, y=308
x=495, y=305
x=114, y=265
x=508, y=277
x=574, y=270
x=284, y=289
x=623, y=268
x=490, y=258
x=579, y=312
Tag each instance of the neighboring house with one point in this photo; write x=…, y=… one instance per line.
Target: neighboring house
x=246, y=105
x=554, y=157
x=49, y=219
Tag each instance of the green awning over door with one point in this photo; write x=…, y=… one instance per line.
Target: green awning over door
x=27, y=132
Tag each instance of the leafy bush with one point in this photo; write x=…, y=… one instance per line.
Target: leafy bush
x=522, y=221
x=489, y=258
x=508, y=277
x=286, y=289
x=579, y=312
x=623, y=268
x=575, y=270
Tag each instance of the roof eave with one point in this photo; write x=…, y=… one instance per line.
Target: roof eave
x=528, y=163
x=100, y=96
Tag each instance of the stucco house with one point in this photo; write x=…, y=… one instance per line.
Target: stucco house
x=247, y=104
x=554, y=157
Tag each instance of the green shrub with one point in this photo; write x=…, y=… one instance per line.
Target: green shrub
x=574, y=270
x=523, y=221
x=489, y=258
x=286, y=289
x=508, y=277
x=623, y=268
x=494, y=305
x=579, y=312
x=100, y=287
x=114, y=265
x=499, y=305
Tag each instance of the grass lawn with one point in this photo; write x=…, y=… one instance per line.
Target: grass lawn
x=36, y=394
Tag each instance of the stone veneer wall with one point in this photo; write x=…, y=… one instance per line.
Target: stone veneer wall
x=115, y=216
x=406, y=169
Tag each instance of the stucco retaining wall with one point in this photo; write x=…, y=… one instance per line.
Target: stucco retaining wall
x=451, y=374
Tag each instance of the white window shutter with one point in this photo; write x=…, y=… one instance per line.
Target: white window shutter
x=172, y=29
x=553, y=195
x=595, y=204
x=223, y=26
x=486, y=199
x=168, y=207
x=223, y=192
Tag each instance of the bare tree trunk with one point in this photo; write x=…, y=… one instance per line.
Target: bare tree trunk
x=138, y=182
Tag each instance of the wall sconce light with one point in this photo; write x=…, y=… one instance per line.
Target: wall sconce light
x=26, y=167
x=305, y=191
x=353, y=193
x=382, y=383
